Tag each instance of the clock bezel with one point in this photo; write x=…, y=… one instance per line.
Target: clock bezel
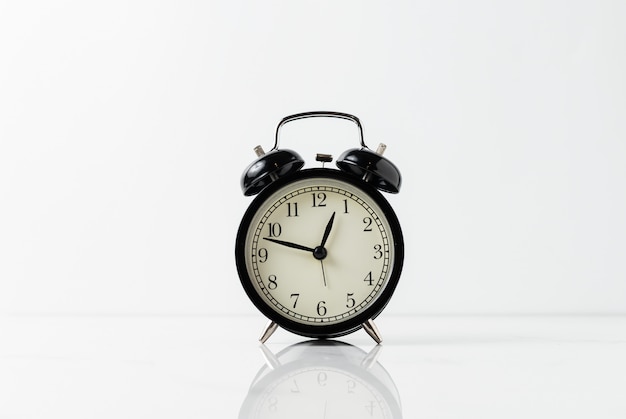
x=354, y=322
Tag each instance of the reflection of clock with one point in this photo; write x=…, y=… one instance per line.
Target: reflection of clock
x=320, y=251
x=322, y=380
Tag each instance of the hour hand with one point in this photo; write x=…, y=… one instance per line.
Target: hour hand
x=289, y=244
x=327, y=230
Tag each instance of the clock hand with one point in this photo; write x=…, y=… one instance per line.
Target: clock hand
x=308, y=249
x=320, y=252
x=289, y=244
x=323, y=272
x=327, y=231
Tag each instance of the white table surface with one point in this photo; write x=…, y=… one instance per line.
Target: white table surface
x=206, y=367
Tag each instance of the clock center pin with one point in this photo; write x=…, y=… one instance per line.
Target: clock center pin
x=320, y=252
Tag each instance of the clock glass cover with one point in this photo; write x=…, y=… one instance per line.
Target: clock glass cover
x=319, y=253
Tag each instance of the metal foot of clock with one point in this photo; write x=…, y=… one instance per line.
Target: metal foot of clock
x=368, y=326
x=268, y=331
x=372, y=330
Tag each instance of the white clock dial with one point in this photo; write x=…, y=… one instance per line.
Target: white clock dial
x=319, y=250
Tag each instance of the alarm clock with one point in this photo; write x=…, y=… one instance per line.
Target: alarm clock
x=322, y=379
x=320, y=251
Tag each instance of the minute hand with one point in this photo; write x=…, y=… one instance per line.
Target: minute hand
x=289, y=244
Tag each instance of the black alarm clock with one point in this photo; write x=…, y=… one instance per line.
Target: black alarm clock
x=320, y=251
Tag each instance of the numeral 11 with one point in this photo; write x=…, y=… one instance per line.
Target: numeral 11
x=292, y=209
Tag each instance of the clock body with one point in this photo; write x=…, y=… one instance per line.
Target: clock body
x=319, y=252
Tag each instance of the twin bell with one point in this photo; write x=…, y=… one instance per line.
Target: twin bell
x=370, y=166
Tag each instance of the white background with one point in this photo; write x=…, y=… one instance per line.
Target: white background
x=125, y=127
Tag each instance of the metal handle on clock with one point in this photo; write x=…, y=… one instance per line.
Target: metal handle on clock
x=318, y=114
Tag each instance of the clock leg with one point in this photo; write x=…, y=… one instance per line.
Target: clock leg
x=372, y=330
x=270, y=328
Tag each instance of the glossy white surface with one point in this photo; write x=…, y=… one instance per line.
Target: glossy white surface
x=199, y=367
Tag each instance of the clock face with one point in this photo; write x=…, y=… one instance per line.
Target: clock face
x=319, y=253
